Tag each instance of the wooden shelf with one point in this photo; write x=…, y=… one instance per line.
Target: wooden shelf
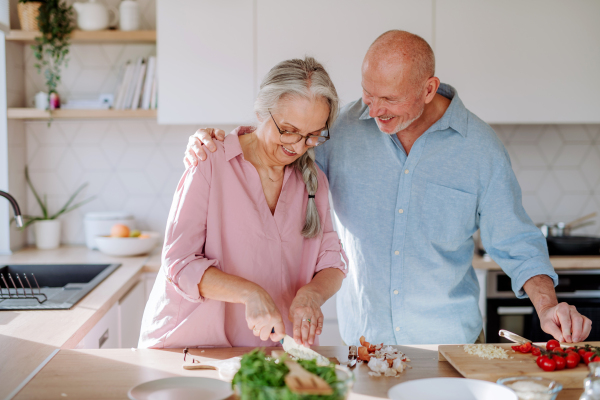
x=106, y=36
x=34, y=113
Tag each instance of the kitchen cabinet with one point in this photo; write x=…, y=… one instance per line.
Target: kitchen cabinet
x=205, y=53
x=337, y=33
x=212, y=56
x=120, y=326
x=105, y=334
x=522, y=61
x=131, y=310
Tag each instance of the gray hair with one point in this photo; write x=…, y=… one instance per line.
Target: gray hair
x=305, y=79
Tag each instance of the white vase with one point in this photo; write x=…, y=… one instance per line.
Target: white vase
x=47, y=234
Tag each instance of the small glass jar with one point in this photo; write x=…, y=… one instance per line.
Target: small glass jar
x=532, y=387
x=591, y=383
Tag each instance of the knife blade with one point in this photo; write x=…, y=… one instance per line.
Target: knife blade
x=513, y=337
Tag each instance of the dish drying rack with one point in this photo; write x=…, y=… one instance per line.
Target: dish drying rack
x=14, y=292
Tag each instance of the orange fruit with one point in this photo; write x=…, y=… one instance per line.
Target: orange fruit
x=119, y=230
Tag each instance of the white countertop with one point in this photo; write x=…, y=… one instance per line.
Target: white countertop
x=558, y=262
x=27, y=338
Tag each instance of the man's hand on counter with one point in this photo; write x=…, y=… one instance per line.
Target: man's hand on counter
x=560, y=320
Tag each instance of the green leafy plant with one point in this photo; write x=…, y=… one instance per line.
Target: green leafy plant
x=43, y=203
x=51, y=48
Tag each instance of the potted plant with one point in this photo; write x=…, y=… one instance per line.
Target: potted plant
x=28, y=14
x=47, y=226
x=55, y=22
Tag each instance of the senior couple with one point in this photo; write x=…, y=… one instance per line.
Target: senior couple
x=250, y=251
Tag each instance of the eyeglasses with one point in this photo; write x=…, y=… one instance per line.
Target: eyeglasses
x=293, y=138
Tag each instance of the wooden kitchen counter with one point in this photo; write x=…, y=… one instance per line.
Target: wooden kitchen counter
x=109, y=374
x=29, y=337
x=558, y=262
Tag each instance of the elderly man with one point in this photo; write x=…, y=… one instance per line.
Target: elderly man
x=413, y=174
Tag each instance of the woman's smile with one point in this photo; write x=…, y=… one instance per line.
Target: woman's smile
x=288, y=152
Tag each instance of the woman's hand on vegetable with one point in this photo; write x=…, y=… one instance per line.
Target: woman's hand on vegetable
x=306, y=315
x=263, y=316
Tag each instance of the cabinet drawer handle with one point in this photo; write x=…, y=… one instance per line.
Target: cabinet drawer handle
x=103, y=339
x=515, y=310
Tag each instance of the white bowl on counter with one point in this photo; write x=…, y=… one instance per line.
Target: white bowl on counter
x=450, y=389
x=127, y=246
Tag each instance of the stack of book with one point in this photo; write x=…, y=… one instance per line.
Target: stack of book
x=137, y=88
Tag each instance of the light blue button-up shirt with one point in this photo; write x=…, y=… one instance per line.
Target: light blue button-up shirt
x=407, y=221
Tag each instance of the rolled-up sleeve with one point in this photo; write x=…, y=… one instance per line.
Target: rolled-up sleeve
x=508, y=234
x=183, y=254
x=331, y=253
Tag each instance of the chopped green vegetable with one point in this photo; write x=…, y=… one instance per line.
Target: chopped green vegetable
x=262, y=378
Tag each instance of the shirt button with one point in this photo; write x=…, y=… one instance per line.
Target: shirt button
x=400, y=211
x=397, y=328
x=406, y=171
x=395, y=292
x=396, y=252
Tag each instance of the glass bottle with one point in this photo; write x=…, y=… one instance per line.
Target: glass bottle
x=591, y=384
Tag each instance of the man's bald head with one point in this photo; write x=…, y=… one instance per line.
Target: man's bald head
x=404, y=53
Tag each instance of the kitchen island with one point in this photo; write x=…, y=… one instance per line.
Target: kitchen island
x=109, y=374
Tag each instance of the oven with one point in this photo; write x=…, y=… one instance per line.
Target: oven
x=579, y=288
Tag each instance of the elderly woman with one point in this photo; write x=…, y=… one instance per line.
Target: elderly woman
x=250, y=253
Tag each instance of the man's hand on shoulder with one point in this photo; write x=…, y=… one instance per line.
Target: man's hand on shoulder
x=196, y=143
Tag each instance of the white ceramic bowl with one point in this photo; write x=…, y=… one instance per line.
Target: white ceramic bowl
x=127, y=246
x=450, y=389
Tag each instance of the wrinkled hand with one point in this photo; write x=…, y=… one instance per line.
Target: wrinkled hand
x=306, y=306
x=263, y=316
x=564, y=322
x=195, y=148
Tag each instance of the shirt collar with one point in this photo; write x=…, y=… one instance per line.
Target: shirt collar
x=232, y=145
x=455, y=117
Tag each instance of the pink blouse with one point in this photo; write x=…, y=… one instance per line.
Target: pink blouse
x=220, y=218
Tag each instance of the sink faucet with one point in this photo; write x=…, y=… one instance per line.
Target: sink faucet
x=15, y=207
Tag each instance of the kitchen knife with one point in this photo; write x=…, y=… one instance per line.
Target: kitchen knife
x=513, y=337
x=304, y=353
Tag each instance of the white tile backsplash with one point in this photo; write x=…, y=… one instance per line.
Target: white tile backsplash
x=131, y=165
x=558, y=167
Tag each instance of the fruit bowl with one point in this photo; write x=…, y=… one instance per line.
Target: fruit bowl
x=127, y=246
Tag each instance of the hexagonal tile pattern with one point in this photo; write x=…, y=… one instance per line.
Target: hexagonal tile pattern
x=571, y=180
x=571, y=155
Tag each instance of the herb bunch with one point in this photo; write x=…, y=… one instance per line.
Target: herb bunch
x=262, y=378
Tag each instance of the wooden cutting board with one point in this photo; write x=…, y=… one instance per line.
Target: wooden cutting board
x=475, y=367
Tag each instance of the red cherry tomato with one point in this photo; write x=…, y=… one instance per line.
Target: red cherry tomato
x=525, y=347
x=595, y=359
x=535, y=351
x=575, y=355
x=548, y=365
x=581, y=352
x=539, y=360
x=572, y=360
x=552, y=344
x=561, y=363
x=516, y=348
x=587, y=356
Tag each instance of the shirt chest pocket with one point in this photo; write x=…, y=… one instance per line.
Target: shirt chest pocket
x=448, y=214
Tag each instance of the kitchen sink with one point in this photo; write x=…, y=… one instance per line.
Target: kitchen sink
x=49, y=286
